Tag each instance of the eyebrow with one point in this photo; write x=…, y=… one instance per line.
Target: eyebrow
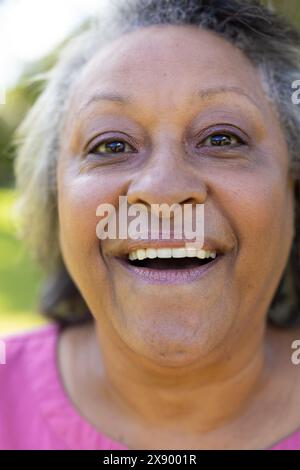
x=106, y=96
x=222, y=90
x=202, y=93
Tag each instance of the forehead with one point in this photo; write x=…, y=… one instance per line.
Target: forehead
x=168, y=63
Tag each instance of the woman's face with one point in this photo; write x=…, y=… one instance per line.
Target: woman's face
x=168, y=97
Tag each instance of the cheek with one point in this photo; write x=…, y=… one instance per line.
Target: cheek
x=260, y=206
x=265, y=217
x=79, y=197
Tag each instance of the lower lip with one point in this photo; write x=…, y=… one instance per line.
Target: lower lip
x=170, y=276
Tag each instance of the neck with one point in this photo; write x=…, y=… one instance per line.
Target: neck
x=197, y=398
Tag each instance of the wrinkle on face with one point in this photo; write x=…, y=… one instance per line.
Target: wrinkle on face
x=162, y=87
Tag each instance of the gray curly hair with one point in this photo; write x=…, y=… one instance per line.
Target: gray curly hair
x=267, y=39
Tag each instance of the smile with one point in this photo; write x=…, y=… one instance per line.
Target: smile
x=169, y=265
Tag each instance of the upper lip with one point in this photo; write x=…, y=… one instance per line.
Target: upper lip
x=124, y=247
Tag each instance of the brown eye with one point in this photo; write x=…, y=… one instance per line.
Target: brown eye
x=115, y=146
x=220, y=140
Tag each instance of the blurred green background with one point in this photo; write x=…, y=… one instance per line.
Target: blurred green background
x=20, y=279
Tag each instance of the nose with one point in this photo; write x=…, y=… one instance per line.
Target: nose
x=166, y=180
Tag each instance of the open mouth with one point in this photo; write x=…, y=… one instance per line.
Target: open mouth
x=170, y=265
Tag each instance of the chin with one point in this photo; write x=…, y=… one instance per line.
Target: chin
x=174, y=337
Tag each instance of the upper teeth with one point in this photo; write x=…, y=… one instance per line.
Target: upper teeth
x=171, y=253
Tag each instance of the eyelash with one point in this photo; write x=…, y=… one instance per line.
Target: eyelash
x=108, y=141
x=239, y=140
x=225, y=133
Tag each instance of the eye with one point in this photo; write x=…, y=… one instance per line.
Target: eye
x=221, y=140
x=111, y=147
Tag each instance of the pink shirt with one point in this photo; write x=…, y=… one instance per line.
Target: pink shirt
x=36, y=413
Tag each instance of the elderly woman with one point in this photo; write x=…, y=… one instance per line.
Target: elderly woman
x=153, y=346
